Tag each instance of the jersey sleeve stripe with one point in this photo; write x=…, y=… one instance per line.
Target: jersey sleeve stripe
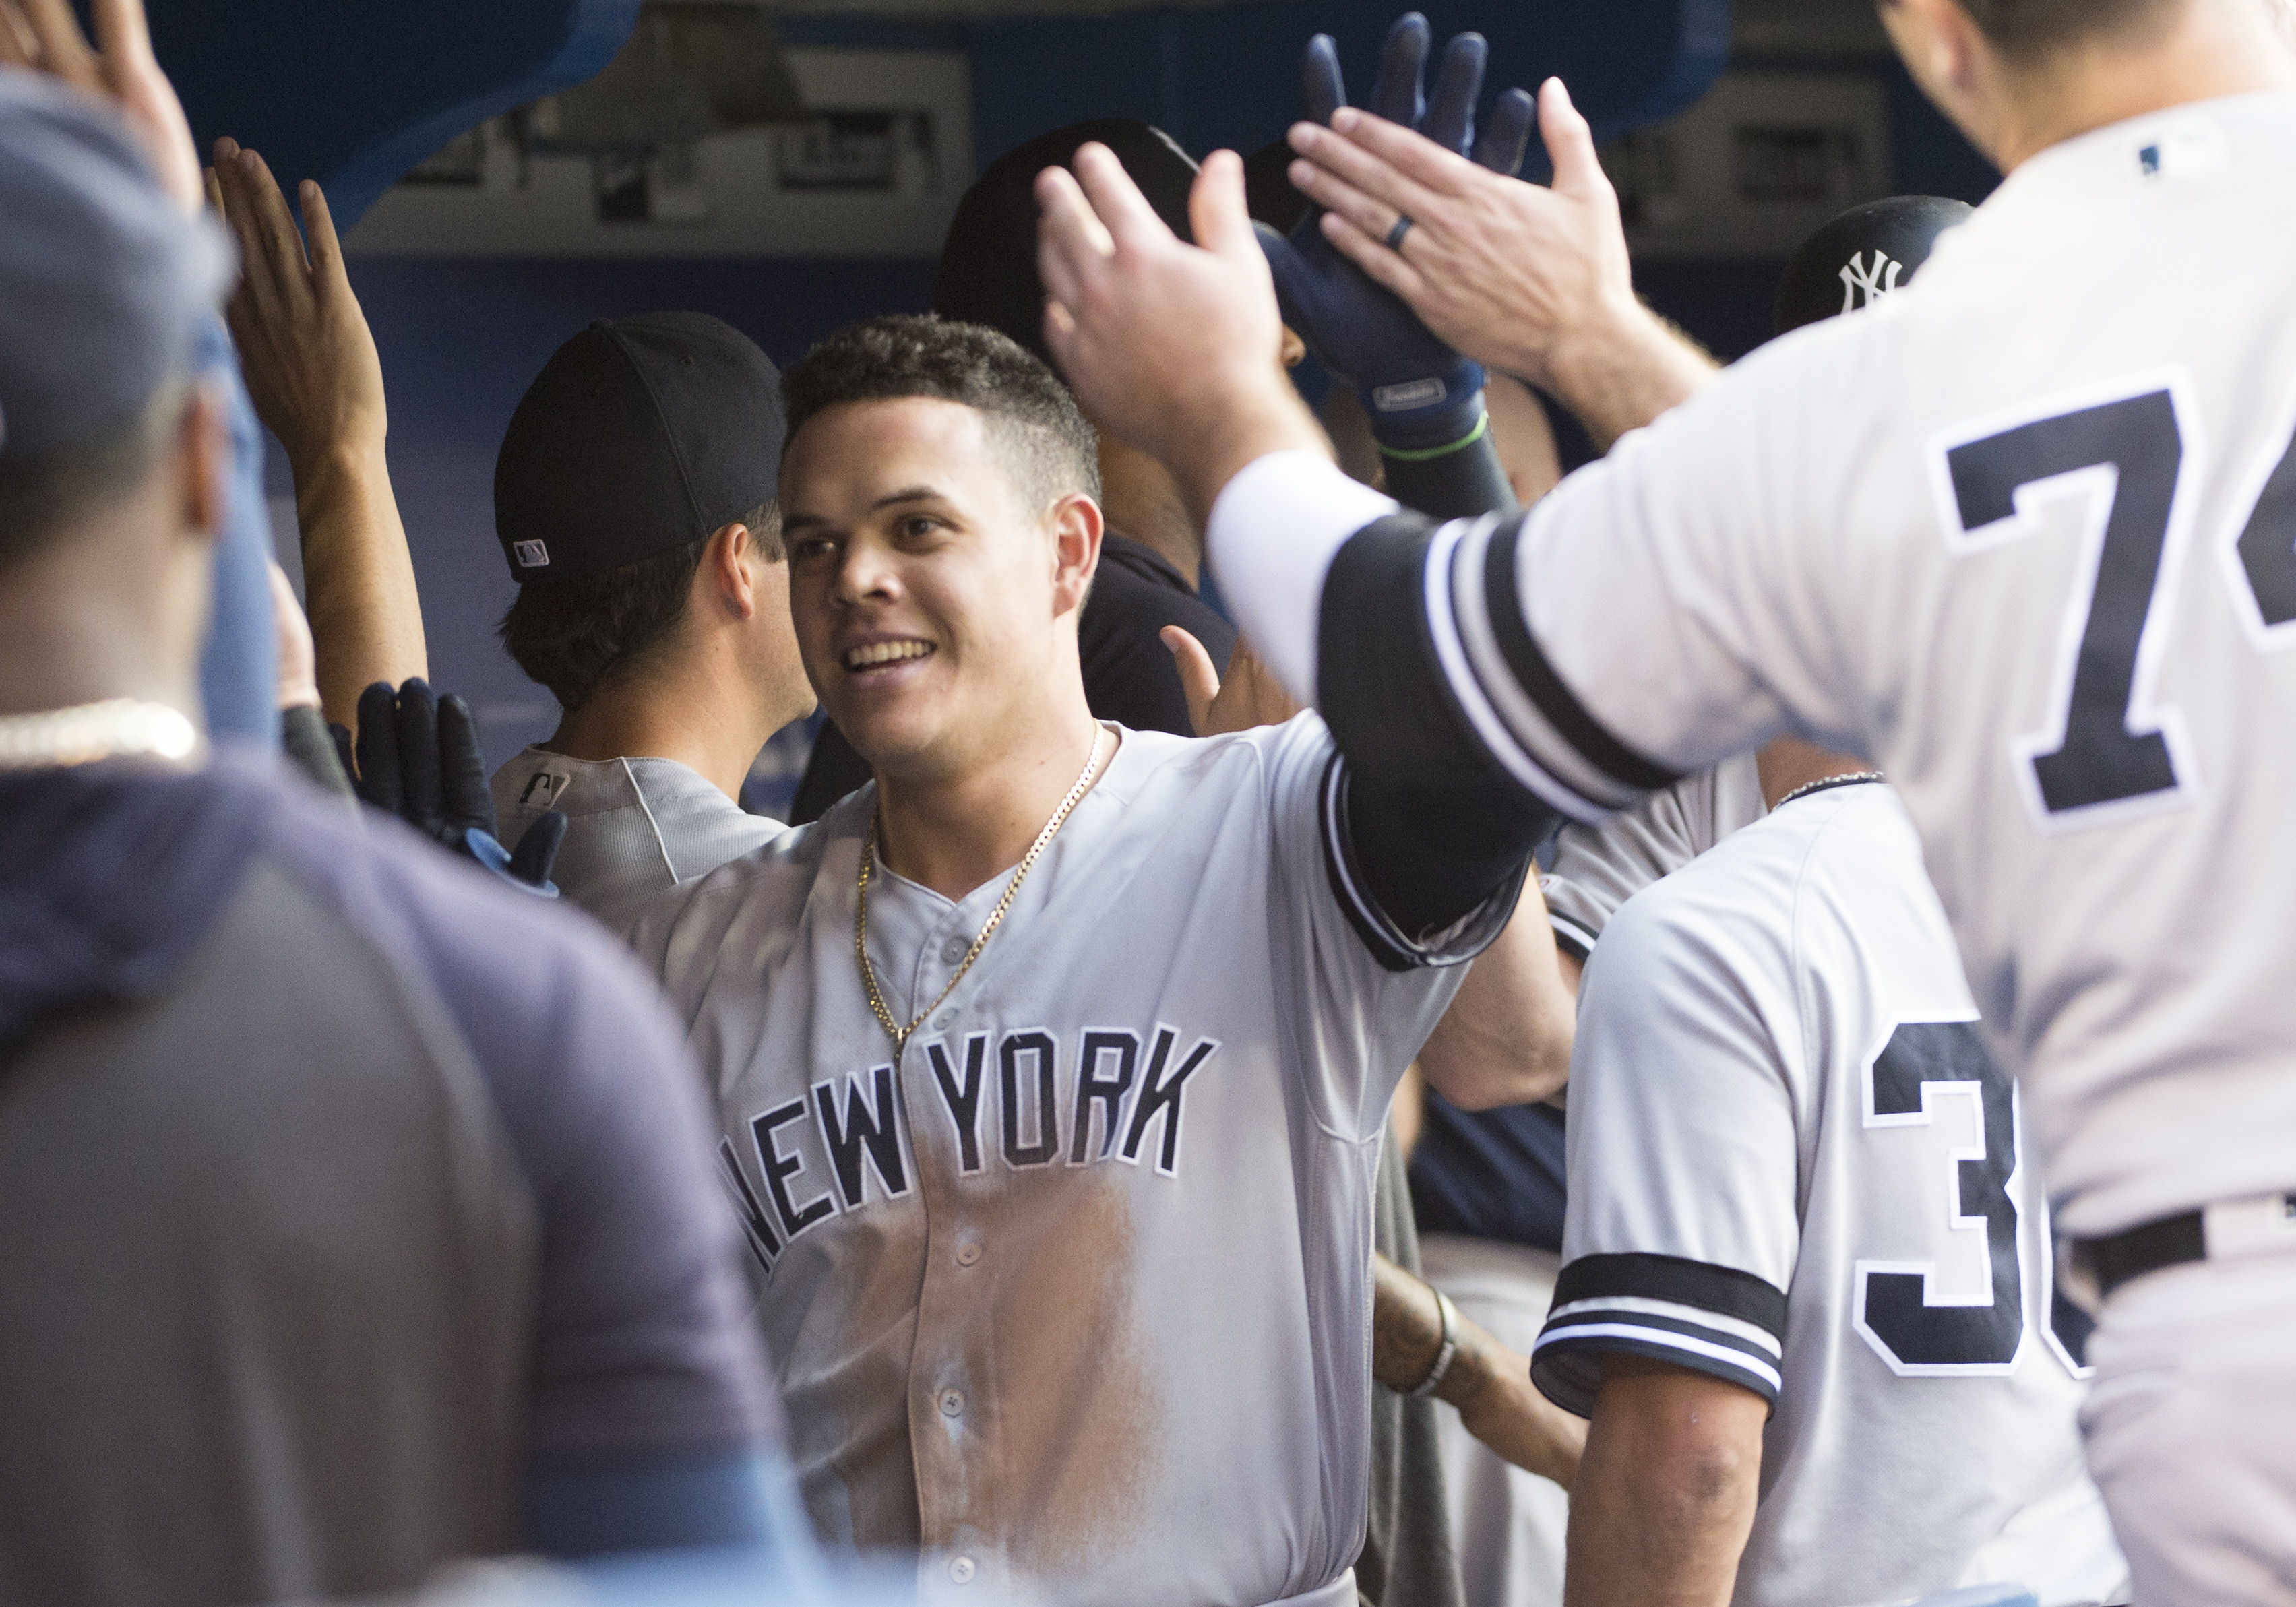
x=1677, y=1280
x=1492, y=734
x=1389, y=945
x=1564, y=1368
x=1463, y=608
x=1533, y=678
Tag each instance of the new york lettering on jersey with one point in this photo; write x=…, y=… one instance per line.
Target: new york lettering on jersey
x=828, y=1151
x=1121, y=1177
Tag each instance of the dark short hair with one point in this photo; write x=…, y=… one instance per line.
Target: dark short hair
x=43, y=493
x=1049, y=449
x=2024, y=30
x=575, y=635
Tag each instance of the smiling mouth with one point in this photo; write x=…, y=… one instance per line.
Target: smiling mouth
x=881, y=655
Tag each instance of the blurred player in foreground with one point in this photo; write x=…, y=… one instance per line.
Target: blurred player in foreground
x=2023, y=546
x=359, y=1213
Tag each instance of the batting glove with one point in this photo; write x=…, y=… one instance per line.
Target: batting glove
x=419, y=760
x=1418, y=393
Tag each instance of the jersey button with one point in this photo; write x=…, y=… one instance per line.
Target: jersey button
x=952, y=1402
x=946, y=1018
x=967, y=1254
x=962, y=1568
x=954, y=950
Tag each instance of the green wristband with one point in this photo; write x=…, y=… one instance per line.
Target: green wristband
x=1482, y=428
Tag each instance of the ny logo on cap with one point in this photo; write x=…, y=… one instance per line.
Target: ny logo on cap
x=531, y=555
x=1863, y=286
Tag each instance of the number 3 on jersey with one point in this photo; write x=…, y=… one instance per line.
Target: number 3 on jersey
x=2108, y=747
x=1897, y=1306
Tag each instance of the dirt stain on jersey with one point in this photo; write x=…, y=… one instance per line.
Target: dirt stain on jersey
x=1078, y=1415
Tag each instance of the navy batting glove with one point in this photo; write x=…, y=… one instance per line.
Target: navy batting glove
x=1419, y=394
x=419, y=760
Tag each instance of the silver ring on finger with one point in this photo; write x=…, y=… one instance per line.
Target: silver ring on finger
x=1395, y=235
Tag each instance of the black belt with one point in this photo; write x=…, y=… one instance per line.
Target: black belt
x=2171, y=1241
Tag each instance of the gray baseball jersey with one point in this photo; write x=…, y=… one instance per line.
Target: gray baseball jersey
x=2024, y=533
x=1597, y=868
x=1795, y=1166
x=1074, y=1295
x=634, y=827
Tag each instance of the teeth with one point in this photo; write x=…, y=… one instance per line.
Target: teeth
x=885, y=653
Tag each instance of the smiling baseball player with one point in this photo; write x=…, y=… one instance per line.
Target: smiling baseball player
x=1054, y=1064
x=2020, y=534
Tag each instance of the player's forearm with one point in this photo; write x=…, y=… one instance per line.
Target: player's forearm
x=358, y=578
x=1666, y=1491
x=1620, y=371
x=1487, y=1382
x=1506, y=1038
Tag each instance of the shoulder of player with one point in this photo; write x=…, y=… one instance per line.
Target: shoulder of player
x=1247, y=757
x=488, y=948
x=1734, y=901
x=766, y=888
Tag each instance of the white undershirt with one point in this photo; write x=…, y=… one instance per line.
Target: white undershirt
x=1274, y=532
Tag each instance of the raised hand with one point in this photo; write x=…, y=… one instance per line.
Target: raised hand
x=304, y=345
x=1417, y=390
x=316, y=382
x=45, y=36
x=1528, y=279
x=1172, y=346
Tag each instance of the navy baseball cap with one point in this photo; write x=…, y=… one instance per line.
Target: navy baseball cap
x=104, y=283
x=988, y=263
x=1862, y=255
x=639, y=435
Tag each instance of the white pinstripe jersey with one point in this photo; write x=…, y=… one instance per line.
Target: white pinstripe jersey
x=2024, y=533
x=1794, y=1165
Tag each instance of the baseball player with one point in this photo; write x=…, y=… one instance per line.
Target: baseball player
x=359, y=1213
x=1054, y=1064
x=1490, y=1184
x=634, y=501
x=1806, y=1258
x=2017, y=534
x=1150, y=553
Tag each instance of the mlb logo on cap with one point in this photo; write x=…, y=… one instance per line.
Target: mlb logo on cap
x=531, y=555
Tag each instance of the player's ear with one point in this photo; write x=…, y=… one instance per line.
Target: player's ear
x=1077, y=527
x=725, y=573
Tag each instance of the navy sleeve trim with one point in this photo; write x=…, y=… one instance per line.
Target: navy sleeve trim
x=1572, y=937
x=1395, y=949
x=1503, y=601
x=1381, y=681
x=1384, y=668
x=1716, y=1320
x=1724, y=1291
x=1566, y=1363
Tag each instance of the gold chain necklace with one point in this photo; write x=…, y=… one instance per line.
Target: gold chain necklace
x=90, y=731
x=900, y=1034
